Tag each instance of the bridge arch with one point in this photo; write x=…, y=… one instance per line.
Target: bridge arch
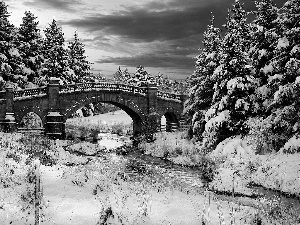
x=126, y=105
x=31, y=120
x=36, y=107
x=172, y=120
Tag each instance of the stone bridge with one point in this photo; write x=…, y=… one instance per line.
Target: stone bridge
x=55, y=103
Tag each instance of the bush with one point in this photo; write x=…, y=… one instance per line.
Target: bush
x=208, y=169
x=83, y=132
x=117, y=128
x=38, y=147
x=265, y=134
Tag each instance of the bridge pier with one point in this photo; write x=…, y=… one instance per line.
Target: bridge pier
x=55, y=126
x=8, y=123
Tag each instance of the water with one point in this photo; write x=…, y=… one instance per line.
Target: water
x=188, y=180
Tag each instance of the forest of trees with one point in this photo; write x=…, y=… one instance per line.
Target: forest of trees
x=248, y=80
x=142, y=78
x=28, y=59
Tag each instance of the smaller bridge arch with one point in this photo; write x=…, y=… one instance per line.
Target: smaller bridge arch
x=31, y=120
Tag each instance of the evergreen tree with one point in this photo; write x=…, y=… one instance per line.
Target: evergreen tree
x=287, y=53
x=6, y=36
x=122, y=76
x=284, y=109
x=141, y=77
x=118, y=75
x=201, y=81
x=126, y=75
x=56, y=56
x=77, y=59
x=234, y=81
x=285, y=65
x=29, y=44
x=264, y=35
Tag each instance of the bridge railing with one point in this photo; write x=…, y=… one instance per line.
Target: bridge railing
x=92, y=86
x=103, y=86
x=166, y=95
x=30, y=92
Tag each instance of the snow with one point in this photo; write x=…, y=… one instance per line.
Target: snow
x=235, y=152
x=210, y=56
x=3, y=57
x=295, y=49
x=223, y=103
x=14, y=52
x=227, y=180
x=262, y=53
x=241, y=103
x=260, y=28
x=215, y=122
x=218, y=70
x=283, y=91
x=235, y=83
x=27, y=71
x=282, y=43
x=32, y=59
x=263, y=91
x=292, y=145
x=279, y=172
x=211, y=112
x=232, y=147
x=268, y=69
x=275, y=77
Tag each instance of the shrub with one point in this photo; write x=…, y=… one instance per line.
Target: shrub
x=36, y=146
x=208, y=169
x=269, y=134
x=117, y=128
x=83, y=132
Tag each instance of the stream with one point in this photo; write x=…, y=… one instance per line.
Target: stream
x=189, y=178
x=173, y=194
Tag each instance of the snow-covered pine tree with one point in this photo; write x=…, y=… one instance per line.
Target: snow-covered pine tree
x=78, y=60
x=201, y=81
x=263, y=37
x=6, y=36
x=234, y=81
x=122, y=76
x=286, y=62
x=263, y=43
x=141, y=77
x=117, y=77
x=126, y=75
x=284, y=109
x=29, y=44
x=56, y=56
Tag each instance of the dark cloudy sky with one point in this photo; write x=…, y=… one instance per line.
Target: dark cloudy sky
x=161, y=35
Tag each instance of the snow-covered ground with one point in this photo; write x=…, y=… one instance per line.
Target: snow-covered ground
x=110, y=118
x=70, y=198
x=241, y=166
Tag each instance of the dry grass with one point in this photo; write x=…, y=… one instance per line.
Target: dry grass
x=17, y=187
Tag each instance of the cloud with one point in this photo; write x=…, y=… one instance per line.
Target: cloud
x=62, y=5
x=158, y=34
x=144, y=25
x=162, y=61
